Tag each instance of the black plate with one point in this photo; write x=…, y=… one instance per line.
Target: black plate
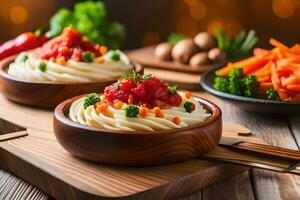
x=250, y=104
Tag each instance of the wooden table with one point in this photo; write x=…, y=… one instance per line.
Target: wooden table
x=253, y=184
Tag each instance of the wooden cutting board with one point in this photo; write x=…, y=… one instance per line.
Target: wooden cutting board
x=39, y=159
x=185, y=76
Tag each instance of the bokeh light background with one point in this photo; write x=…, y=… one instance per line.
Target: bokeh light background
x=150, y=21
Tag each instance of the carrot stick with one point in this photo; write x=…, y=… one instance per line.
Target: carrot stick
x=278, y=44
x=265, y=86
x=294, y=87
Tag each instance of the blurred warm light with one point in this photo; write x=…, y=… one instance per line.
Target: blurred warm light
x=283, y=8
x=190, y=2
x=18, y=14
x=186, y=25
x=198, y=10
x=214, y=25
x=151, y=38
x=220, y=2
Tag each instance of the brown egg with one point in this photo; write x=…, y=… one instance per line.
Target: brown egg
x=199, y=59
x=217, y=55
x=184, y=50
x=163, y=51
x=205, y=41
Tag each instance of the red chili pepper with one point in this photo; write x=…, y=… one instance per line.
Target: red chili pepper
x=23, y=42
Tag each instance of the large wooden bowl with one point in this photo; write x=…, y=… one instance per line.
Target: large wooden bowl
x=46, y=94
x=137, y=148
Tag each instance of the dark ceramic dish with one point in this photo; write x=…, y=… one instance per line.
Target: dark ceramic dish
x=250, y=104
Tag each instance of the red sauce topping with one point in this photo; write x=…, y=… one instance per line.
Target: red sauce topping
x=135, y=89
x=70, y=44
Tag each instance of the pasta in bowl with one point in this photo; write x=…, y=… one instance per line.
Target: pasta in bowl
x=69, y=63
x=126, y=126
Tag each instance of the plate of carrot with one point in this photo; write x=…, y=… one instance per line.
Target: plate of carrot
x=267, y=82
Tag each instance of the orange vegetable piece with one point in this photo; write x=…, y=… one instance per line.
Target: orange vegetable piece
x=119, y=105
x=143, y=112
x=103, y=50
x=294, y=87
x=176, y=120
x=61, y=61
x=265, y=86
x=158, y=112
x=278, y=44
x=188, y=94
x=100, y=60
x=102, y=107
x=260, y=52
x=130, y=99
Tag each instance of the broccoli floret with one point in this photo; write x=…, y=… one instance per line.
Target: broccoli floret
x=91, y=99
x=236, y=82
x=271, y=94
x=221, y=84
x=251, y=86
x=87, y=57
x=131, y=110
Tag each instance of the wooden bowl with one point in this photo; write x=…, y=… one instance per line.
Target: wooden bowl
x=46, y=94
x=138, y=148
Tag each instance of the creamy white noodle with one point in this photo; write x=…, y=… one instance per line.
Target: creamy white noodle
x=71, y=72
x=115, y=119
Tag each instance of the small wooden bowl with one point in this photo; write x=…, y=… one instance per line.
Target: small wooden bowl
x=138, y=148
x=46, y=94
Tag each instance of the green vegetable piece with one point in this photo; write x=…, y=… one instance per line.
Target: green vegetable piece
x=43, y=66
x=91, y=19
x=188, y=106
x=173, y=89
x=115, y=56
x=117, y=85
x=91, y=99
x=87, y=57
x=221, y=84
x=236, y=82
x=271, y=94
x=131, y=110
x=24, y=57
x=173, y=38
x=39, y=32
x=251, y=86
x=147, y=76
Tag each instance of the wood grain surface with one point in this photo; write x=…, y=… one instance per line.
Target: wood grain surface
x=46, y=94
x=44, y=163
x=138, y=148
x=255, y=184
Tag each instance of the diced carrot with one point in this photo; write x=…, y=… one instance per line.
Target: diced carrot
x=188, y=94
x=119, y=105
x=158, y=112
x=143, y=112
x=101, y=108
x=100, y=60
x=176, y=120
x=103, y=50
x=61, y=61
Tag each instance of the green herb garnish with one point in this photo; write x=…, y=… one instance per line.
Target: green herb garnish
x=134, y=76
x=271, y=94
x=147, y=76
x=189, y=107
x=115, y=55
x=43, y=66
x=91, y=19
x=236, y=84
x=173, y=89
x=24, y=57
x=238, y=47
x=173, y=38
x=117, y=85
x=91, y=99
x=87, y=57
x=39, y=32
x=131, y=110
